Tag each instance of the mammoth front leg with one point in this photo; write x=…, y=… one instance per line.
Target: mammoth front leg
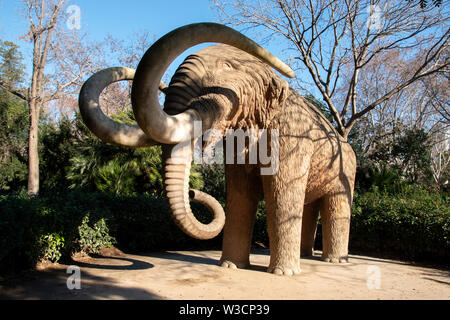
x=244, y=191
x=284, y=194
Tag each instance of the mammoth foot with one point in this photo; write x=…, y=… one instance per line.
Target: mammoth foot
x=224, y=263
x=334, y=259
x=284, y=271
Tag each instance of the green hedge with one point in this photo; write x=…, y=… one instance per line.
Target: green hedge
x=56, y=226
x=51, y=227
x=413, y=226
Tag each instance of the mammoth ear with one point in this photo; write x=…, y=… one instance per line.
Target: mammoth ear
x=277, y=91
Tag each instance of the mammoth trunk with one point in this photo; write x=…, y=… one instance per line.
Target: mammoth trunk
x=184, y=85
x=177, y=165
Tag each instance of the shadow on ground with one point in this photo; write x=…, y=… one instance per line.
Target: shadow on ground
x=51, y=283
x=191, y=275
x=197, y=259
x=133, y=264
x=205, y=260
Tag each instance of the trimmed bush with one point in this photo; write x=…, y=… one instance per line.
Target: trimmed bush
x=144, y=224
x=412, y=226
x=51, y=227
x=54, y=227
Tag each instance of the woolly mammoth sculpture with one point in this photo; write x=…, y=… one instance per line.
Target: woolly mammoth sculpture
x=231, y=86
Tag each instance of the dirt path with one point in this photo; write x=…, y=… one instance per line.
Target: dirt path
x=195, y=275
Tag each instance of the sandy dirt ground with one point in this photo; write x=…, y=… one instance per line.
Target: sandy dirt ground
x=195, y=275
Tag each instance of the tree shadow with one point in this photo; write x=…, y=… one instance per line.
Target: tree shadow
x=434, y=273
x=391, y=260
x=51, y=284
x=203, y=260
x=185, y=258
x=134, y=264
x=437, y=281
x=257, y=267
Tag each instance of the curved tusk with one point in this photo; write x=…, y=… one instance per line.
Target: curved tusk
x=148, y=112
x=102, y=126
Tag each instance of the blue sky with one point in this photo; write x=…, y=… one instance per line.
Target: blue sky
x=116, y=17
x=120, y=18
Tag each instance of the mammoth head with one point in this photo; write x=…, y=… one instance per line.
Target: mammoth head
x=220, y=86
x=228, y=87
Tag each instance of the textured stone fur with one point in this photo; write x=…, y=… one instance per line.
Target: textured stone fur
x=232, y=89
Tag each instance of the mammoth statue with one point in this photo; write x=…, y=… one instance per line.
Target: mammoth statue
x=231, y=86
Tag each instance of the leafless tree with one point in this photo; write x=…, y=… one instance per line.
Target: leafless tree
x=72, y=58
x=437, y=91
x=44, y=20
x=92, y=57
x=326, y=37
x=440, y=159
x=42, y=24
x=411, y=108
x=127, y=53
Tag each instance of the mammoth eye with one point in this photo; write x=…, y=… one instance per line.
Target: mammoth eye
x=227, y=66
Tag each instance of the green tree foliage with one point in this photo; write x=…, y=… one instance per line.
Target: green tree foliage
x=13, y=142
x=213, y=177
x=14, y=120
x=58, y=146
x=117, y=170
x=11, y=67
x=413, y=151
x=406, y=159
x=73, y=158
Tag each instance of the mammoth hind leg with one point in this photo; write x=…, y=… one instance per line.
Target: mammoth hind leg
x=309, y=228
x=335, y=212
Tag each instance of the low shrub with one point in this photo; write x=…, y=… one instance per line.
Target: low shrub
x=144, y=224
x=51, y=227
x=54, y=227
x=413, y=225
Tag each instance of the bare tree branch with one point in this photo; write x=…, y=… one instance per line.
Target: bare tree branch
x=333, y=38
x=18, y=93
